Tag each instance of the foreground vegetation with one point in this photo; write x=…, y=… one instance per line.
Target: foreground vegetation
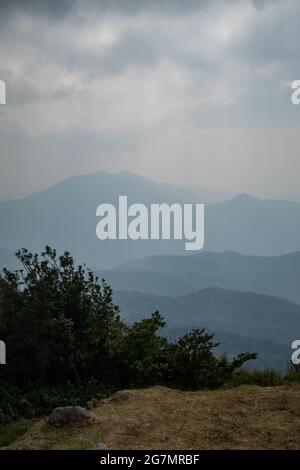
x=66, y=344
x=247, y=417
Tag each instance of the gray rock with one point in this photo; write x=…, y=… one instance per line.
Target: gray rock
x=100, y=446
x=70, y=415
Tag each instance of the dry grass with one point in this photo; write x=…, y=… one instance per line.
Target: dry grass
x=247, y=417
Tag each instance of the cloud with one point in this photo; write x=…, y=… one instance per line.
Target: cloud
x=55, y=9
x=40, y=7
x=141, y=75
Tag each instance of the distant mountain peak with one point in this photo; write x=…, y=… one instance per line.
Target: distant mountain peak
x=244, y=197
x=127, y=173
x=132, y=175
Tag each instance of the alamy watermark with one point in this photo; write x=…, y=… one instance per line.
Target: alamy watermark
x=295, y=359
x=159, y=222
x=296, y=94
x=2, y=101
x=2, y=92
x=2, y=353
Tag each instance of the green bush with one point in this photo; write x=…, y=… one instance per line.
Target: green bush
x=192, y=364
x=143, y=353
x=58, y=323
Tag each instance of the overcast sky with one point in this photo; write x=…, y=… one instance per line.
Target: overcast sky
x=194, y=93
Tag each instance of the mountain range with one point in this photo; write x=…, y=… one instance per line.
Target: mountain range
x=241, y=320
x=64, y=217
x=180, y=274
x=244, y=286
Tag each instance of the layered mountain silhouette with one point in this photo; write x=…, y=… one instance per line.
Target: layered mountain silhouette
x=252, y=226
x=173, y=275
x=244, y=286
x=241, y=320
x=64, y=216
x=270, y=354
x=246, y=313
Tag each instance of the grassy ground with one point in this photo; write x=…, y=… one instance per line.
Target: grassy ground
x=247, y=417
x=13, y=431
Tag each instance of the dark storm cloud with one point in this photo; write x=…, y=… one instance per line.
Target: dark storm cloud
x=56, y=9
x=44, y=7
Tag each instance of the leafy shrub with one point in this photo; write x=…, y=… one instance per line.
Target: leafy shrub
x=192, y=364
x=58, y=323
x=142, y=354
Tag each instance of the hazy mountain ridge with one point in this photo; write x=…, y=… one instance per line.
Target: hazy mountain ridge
x=64, y=216
x=171, y=275
x=270, y=353
x=259, y=316
x=261, y=227
x=241, y=319
x=222, y=291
